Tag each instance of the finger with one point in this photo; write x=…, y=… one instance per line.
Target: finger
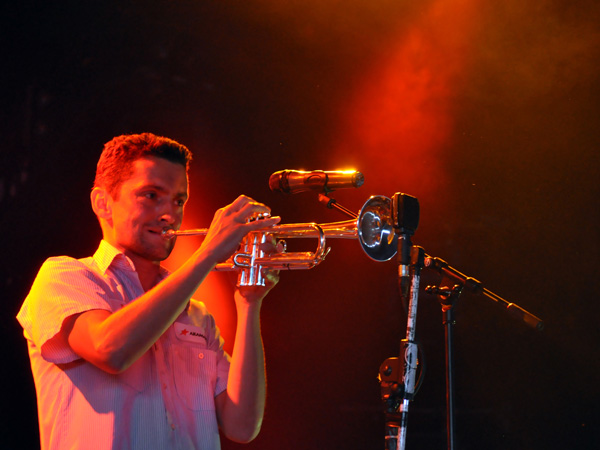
x=218, y=214
x=269, y=247
x=281, y=246
x=261, y=223
x=272, y=277
x=240, y=203
x=252, y=210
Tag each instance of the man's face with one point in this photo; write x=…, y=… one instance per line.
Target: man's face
x=150, y=201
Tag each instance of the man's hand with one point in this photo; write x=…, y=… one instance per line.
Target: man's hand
x=231, y=223
x=255, y=294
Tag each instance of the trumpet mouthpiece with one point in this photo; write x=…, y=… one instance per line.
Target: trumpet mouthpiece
x=169, y=233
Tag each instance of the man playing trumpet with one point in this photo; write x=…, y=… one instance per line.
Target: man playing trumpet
x=122, y=356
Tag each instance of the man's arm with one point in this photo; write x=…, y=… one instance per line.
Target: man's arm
x=240, y=408
x=114, y=341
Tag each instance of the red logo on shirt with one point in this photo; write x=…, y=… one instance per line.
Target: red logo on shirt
x=185, y=332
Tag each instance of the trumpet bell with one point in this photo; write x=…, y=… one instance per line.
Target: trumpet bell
x=375, y=231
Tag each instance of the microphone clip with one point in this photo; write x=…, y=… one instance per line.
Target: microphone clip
x=332, y=203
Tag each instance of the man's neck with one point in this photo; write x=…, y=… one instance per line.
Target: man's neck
x=148, y=271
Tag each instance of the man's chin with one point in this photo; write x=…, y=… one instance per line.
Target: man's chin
x=164, y=253
x=168, y=253
x=156, y=253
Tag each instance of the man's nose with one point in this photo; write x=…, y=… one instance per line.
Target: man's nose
x=170, y=214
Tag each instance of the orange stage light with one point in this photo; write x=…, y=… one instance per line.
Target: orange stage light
x=400, y=121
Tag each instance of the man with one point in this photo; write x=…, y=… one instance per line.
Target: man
x=122, y=357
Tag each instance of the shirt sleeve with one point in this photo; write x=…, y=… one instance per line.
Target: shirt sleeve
x=63, y=287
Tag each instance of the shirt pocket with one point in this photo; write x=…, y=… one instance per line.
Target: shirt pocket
x=195, y=376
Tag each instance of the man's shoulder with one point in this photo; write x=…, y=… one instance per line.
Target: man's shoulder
x=198, y=307
x=67, y=260
x=60, y=267
x=67, y=263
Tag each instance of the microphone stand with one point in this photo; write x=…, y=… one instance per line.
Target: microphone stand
x=398, y=376
x=398, y=384
x=448, y=298
x=399, y=388
x=476, y=287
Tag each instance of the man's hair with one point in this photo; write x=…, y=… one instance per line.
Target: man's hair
x=116, y=162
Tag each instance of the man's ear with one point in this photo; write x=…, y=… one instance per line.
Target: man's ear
x=101, y=203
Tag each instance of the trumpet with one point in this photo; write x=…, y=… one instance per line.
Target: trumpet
x=372, y=227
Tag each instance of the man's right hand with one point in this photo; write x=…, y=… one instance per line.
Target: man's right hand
x=231, y=224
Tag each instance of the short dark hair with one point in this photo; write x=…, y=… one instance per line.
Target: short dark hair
x=116, y=162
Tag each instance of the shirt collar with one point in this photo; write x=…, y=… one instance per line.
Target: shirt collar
x=108, y=255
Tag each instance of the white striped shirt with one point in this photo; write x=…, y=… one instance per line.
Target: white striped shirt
x=165, y=400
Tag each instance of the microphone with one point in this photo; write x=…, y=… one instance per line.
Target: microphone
x=295, y=181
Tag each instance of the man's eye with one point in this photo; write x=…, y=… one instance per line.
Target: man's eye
x=150, y=195
x=180, y=203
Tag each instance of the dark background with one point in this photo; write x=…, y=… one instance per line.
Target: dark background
x=486, y=111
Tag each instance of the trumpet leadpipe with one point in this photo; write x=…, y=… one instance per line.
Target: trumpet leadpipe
x=344, y=230
x=170, y=233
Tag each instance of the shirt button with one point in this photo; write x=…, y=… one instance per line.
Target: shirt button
x=201, y=355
